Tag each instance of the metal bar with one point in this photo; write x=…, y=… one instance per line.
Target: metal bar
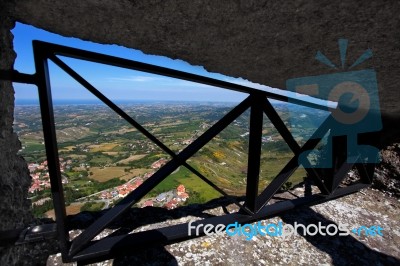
x=111, y=247
x=254, y=206
x=210, y=183
x=134, y=65
x=342, y=172
x=339, y=155
x=366, y=172
x=367, y=169
x=254, y=154
x=15, y=76
x=36, y=233
x=269, y=110
x=292, y=165
x=49, y=132
x=277, y=182
x=317, y=180
x=98, y=94
x=156, y=178
x=110, y=104
x=9, y=237
x=128, y=118
x=317, y=136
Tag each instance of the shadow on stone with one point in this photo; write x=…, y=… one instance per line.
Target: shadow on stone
x=151, y=256
x=137, y=217
x=344, y=250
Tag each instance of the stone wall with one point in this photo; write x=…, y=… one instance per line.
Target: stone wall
x=14, y=175
x=263, y=41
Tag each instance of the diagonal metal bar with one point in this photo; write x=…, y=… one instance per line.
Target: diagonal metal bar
x=366, y=172
x=84, y=238
x=134, y=65
x=254, y=154
x=339, y=155
x=210, y=183
x=128, y=118
x=341, y=174
x=270, y=111
x=292, y=165
x=115, y=246
x=44, y=51
x=317, y=180
x=277, y=182
x=49, y=133
x=109, y=103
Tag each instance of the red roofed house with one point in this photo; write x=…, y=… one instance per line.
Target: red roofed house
x=35, y=187
x=180, y=189
x=183, y=196
x=123, y=193
x=138, y=182
x=148, y=203
x=171, y=204
x=159, y=163
x=130, y=187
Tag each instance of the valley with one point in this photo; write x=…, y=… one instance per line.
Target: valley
x=103, y=158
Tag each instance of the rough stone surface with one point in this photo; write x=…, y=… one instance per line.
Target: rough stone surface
x=387, y=174
x=14, y=175
x=264, y=41
x=369, y=207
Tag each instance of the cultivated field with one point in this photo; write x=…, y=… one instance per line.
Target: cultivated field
x=67, y=149
x=72, y=209
x=102, y=147
x=104, y=174
x=132, y=158
x=72, y=133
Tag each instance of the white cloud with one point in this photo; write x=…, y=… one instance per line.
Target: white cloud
x=185, y=83
x=135, y=78
x=258, y=86
x=247, y=83
x=291, y=94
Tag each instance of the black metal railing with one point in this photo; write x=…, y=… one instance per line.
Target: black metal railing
x=83, y=248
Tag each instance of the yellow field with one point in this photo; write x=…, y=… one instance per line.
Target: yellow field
x=68, y=148
x=133, y=173
x=32, y=136
x=102, y=147
x=111, y=153
x=224, y=180
x=132, y=158
x=107, y=173
x=179, y=122
x=121, y=131
x=77, y=156
x=72, y=209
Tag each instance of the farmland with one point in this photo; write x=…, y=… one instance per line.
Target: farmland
x=103, y=174
x=101, y=152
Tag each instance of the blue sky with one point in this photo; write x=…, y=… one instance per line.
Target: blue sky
x=117, y=83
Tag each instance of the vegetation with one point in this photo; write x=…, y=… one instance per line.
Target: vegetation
x=92, y=206
x=39, y=210
x=104, y=151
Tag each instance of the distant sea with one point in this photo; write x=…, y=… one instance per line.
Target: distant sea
x=55, y=102
x=27, y=102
